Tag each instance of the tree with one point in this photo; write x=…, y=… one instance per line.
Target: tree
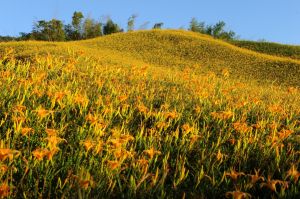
x=91, y=28
x=217, y=30
x=76, y=23
x=57, y=32
x=196, y=26
x=48, y=30
x=158, y=25
x=130, y=23
x=110, y=27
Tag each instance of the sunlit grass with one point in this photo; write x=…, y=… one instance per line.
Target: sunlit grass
x=74, y=126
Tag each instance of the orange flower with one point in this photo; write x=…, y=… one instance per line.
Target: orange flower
x=271, y=184
x=3, y=168
x=25, y=131
x=284, y=133
x=241, y=127
x=237, y=195
x=151, y=152
x=234, y=175
x=88, y=144
x=91, y=118
x=53, y=141
x=39, y=154
x=142, y=108
x=8, y=153
x=20, y=108
x=42, y=113
x=222, y=115
x=113, y=164
x=51, y=132
x=171, y=115
x=187, y=128
x=256, y=177
x=4, y=190
x=294, y=173
x=126, y=138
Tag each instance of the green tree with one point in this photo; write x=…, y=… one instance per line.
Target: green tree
x=130, y=23
x=91, y=28
x=77, y=24
x=110, y=27
x=196, y=26
x=57, y=32
x=48, y=30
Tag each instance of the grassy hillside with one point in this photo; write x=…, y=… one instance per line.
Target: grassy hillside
x=151, y=114
x=177, y=50
x=270, y=48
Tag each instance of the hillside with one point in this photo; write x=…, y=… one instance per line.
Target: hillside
x=177, y=50
x=270, y=48
x=149, y=114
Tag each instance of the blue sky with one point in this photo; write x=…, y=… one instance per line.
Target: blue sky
x=273, y=20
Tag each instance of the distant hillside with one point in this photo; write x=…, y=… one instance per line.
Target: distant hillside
x=176, y=50
x=270, y=48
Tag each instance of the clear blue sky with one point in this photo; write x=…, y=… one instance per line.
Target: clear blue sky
x=273, y=20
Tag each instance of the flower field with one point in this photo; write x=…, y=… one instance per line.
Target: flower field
x=150, y=114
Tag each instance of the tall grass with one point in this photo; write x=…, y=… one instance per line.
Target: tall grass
x=72, y=126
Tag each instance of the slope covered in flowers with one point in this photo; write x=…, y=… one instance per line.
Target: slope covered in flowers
x=97, y=118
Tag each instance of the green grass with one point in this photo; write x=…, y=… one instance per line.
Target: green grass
x=150, y=114
x=270, y=48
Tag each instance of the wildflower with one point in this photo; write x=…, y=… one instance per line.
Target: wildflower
x=42, y=113
x=39, y=154
x=284, y=133
x=4, y=190
x=151, y=152
x=256, y=177
x=91, y=118
x=126, y=138
x=294, y=173
x=187, y=128
x=142, y=108
x=51, y=132
x=222, y=115
x=8, y=153
x=20, y=109
x=234, y=174
x=25, y=131
x=88, y=144
x=122, y=98
x=171, y=115
x=113, y=164
x=241, y=127
x=271, y=184
x=58, y=96
x=143, y=162
x=53, y=141
x=237, y=195
x=3, y=168
x=81, y=100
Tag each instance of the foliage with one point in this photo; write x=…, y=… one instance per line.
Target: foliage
x=91, y=29
x=48, y=30
x=147, y=118
x=217, y=30
x=110, y=27
x=270, y=48
x=130, y=23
